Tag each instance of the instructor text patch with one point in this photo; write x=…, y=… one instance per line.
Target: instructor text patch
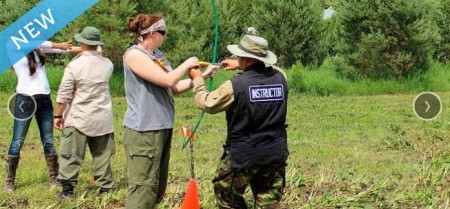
x=265, y=93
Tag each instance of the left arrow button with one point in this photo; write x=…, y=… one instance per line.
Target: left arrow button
x=20, y=106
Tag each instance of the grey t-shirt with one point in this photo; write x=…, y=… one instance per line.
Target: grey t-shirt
x=149, y=106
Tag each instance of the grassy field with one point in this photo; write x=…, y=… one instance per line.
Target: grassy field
x=345, y=152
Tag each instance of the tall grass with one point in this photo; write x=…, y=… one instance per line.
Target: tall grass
x=324, y=81
x=116, y=83
x=8, y=80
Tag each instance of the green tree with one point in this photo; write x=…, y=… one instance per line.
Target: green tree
x=330, y=36
x=443, y=21
x=111, y=18
x=190, y=25
x=152, y=6
x=382, y=39
x=293, y=28
x=12, y=10
x=191, y=29
x=326, y=3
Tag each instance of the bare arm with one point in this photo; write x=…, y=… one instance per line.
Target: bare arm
x=67, y=46
x=58, y=112
x=63, y=45
x=59, y=109
x=186, y=84
x=148, y=70
x=182, y=86
x=59, y=48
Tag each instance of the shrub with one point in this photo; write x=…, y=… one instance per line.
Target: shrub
x=296, y=81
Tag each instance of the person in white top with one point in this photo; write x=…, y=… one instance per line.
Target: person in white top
x=33, y=99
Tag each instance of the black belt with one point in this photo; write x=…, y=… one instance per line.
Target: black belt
x=39, y=96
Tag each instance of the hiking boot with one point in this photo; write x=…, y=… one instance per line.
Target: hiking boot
x=67, y=190
x=53, y=166
x=276, y=206
x=12, y=162
x=104, y=191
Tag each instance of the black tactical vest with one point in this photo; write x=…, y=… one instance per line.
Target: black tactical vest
x=256, y=119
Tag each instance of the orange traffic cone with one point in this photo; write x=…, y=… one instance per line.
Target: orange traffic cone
x=191, y=200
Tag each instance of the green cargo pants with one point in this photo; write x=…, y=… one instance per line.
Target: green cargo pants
x=267, y=184
x=72, y=152
x=148, y=156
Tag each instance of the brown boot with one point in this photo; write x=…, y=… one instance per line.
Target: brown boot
x=53, y=166
x=11, y=167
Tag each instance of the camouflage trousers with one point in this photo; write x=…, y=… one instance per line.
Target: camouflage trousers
x=267, y=184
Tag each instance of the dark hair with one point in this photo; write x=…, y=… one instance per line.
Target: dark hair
x=32, y=63
x=142, y=22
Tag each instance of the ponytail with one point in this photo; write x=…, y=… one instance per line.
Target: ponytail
x=32, y=63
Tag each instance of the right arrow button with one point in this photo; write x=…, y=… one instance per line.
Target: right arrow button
x=427, y=106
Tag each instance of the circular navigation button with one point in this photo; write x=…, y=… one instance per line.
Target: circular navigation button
x=21, y=106
x=427, y=106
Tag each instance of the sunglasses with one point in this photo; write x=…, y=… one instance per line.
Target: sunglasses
x=162, y=32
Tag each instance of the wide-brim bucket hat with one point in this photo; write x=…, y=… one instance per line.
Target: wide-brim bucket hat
x=89, y=36
x=255, y=47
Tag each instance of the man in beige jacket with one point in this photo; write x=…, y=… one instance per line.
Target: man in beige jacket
x=88, y=120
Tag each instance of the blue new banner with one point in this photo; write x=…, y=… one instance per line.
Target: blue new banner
x=36, y=26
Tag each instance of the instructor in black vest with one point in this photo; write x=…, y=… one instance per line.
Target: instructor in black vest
x=255, y=151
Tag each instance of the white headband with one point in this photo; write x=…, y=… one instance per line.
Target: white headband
x=160, y=25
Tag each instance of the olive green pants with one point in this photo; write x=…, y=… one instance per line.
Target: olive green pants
x=72, y=152
x=148, y=156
